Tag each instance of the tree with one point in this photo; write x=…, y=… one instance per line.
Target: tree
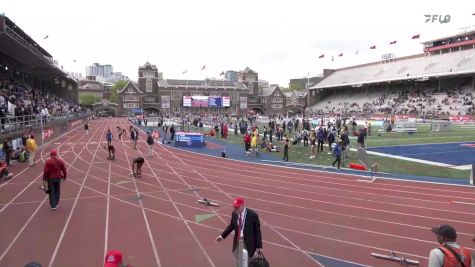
x=119, y=85
x=88, y=99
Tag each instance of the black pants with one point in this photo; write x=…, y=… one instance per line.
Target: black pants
x=330, y=146
x=320, y=146
x=286, y=155
x=7, y=157
x=338, y=159
x=172, y=137
x=54, y=185
x=305, y=142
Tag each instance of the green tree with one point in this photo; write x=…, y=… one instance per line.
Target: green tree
x=119, y=85
x=88, y=99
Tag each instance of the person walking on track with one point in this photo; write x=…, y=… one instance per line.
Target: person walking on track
x=448, y=253
x=31, y=148
x=86, y=127
x=109, y=137
x=150, y=144
x=247, y=227
x=137, y=164
x=54, y=171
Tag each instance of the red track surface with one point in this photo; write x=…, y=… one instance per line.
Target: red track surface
x=301, y=211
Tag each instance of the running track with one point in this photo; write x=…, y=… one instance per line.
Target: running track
x=152, y=219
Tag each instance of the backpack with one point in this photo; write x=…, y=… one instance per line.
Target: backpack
x=259, y=261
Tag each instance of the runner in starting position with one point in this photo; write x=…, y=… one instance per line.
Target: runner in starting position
x=137, y=166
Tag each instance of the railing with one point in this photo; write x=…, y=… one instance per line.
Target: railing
x=12, y=124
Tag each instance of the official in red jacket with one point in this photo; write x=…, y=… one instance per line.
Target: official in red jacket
x=53, y=173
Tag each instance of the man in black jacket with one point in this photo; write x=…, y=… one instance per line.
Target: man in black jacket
x=245, y=222
x=7, y=149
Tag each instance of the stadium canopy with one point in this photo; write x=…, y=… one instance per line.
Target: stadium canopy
x=19, y=50
x=418, y=67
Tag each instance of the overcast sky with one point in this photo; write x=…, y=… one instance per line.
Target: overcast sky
x=278, y=39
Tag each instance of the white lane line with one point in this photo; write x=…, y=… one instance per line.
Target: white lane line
x=53, y=257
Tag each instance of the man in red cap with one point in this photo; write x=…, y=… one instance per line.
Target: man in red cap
x=54, y=172
x=246, y=226
x=449, y=253
x=113, y=259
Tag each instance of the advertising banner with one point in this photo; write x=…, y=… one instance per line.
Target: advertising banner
x=185, y=139
x=165, y=101
x=243, y=102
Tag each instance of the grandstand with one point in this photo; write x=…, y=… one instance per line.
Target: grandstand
x=439, y=82
x=34, y=90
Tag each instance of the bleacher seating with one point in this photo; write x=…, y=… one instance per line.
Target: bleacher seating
x=22, y=103
x=425, y=101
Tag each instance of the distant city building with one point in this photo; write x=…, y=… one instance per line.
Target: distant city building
x=99, y=70
x=231, y=76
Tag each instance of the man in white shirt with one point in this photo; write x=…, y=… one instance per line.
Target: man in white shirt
x=448, y=253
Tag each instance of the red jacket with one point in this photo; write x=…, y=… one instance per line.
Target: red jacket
x=54, y=168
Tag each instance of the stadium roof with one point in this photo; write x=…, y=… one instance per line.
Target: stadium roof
x=420, y=67
x=462, y=34
x=201, y=83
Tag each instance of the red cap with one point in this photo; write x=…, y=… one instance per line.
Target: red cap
x=53, y=152
x=238, y=202
x=113, y=258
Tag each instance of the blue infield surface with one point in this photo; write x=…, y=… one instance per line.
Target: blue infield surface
x=456, y=154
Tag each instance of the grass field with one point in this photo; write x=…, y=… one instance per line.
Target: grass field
x=301, y=154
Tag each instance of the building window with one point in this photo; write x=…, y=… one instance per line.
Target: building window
x=176, y=109
x=313, y=92
x=277, y=106
x=148, y=74
x=148, y=86
x=176, y=95
x=130, y=98
x=130, y=90
x=131, y=105
x=276, y=94
x=149, y=99
x=251, y=89
x=277, y=100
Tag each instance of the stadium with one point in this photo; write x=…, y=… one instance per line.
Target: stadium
x=203, y=179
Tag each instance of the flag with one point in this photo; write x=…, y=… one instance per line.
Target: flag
x=372, y=47
x=322, y=56
x=357, y=51
x=340, y=55
x=416, y=36
x=222, y=73
x=204, y=67
x=46, y=37
x=393, y=42
x=184, y=72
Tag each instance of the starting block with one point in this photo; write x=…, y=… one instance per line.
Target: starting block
x=207, y=202
x=393, y=257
